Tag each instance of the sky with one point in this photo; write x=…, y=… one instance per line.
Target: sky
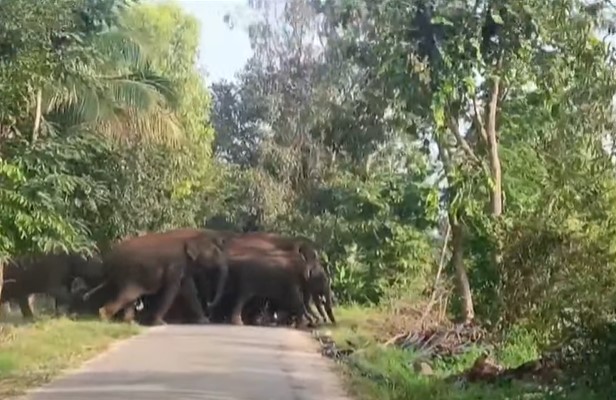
x=223, y=51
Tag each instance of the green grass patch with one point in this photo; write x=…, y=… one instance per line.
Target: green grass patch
x=376, y=372
x=33, y=353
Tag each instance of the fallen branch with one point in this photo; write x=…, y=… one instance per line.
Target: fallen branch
x=440, y=341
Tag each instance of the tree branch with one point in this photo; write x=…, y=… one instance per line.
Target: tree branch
x=455, y=129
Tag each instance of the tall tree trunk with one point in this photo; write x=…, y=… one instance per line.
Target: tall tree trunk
x=37, y=115
x=496, y=195
x=457, y=259
x=457, y=236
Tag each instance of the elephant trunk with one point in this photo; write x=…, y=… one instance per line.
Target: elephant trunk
x=220, y=286
x=88, y=294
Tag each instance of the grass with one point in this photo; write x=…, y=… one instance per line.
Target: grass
x=31, y=354
x=385, y=373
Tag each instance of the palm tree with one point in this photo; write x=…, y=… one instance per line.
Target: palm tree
x=113, y=91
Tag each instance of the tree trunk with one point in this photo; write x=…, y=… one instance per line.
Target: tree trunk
x=37, y=115
x=457, y=259
x=496, y=194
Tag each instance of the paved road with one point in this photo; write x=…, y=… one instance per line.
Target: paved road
x=213, y=362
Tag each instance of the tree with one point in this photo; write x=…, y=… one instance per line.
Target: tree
x=91, y=123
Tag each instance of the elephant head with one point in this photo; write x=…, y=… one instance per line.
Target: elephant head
x=307, y=251
x=207, y=250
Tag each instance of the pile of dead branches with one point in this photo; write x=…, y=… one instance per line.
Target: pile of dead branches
x=329, y=348
x=545, y=371
x=440, y=341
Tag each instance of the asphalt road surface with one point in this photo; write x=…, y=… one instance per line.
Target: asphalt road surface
x=213, y=362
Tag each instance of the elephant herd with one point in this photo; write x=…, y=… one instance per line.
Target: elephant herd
x=182, y=276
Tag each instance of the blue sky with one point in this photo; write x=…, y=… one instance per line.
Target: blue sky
x=223, y=51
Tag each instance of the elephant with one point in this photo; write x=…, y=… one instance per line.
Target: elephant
x=268, y=266
x=179, y=312
x=260, y=311
x=316, y=280
x=320, y=292
x=258, y=308
x=296, y=256
x=162, y=264
x=86, y=301
x=51, y=273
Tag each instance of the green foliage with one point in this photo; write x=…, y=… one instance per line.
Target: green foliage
x=374, y=234
x=376, y=119
x=364, y=125
x=377, y=372
x=104, y=123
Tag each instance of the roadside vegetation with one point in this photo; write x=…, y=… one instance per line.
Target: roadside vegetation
x=453, y=160
x=373, y=370
x=32, y=354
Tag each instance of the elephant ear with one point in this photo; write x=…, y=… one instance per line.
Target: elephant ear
x=307, y=254
x=191, y=248
x=300, y=250
x=220, y=242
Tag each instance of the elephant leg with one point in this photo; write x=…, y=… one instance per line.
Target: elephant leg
x=62, y=297
x=168, y=295
x=5, y=308
x=297, y=308
x=309, y=311
x=126, y=296
x=191, y=296
x=236, y=315
x=26, y=305
x=57, y=304
x=252, y=310
x=129, y=314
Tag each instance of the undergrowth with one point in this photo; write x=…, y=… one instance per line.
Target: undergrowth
x=377, y=372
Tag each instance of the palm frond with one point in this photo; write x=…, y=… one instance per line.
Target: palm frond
x=118, y=94
x=157, y=126
x=122, y=48
x=165, y=87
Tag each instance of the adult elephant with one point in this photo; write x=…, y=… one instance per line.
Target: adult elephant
x=315, y=281
x=51, y=273
x=163, y=264
x=268, y=266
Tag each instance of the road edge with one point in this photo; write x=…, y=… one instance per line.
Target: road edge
x=113, y=346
